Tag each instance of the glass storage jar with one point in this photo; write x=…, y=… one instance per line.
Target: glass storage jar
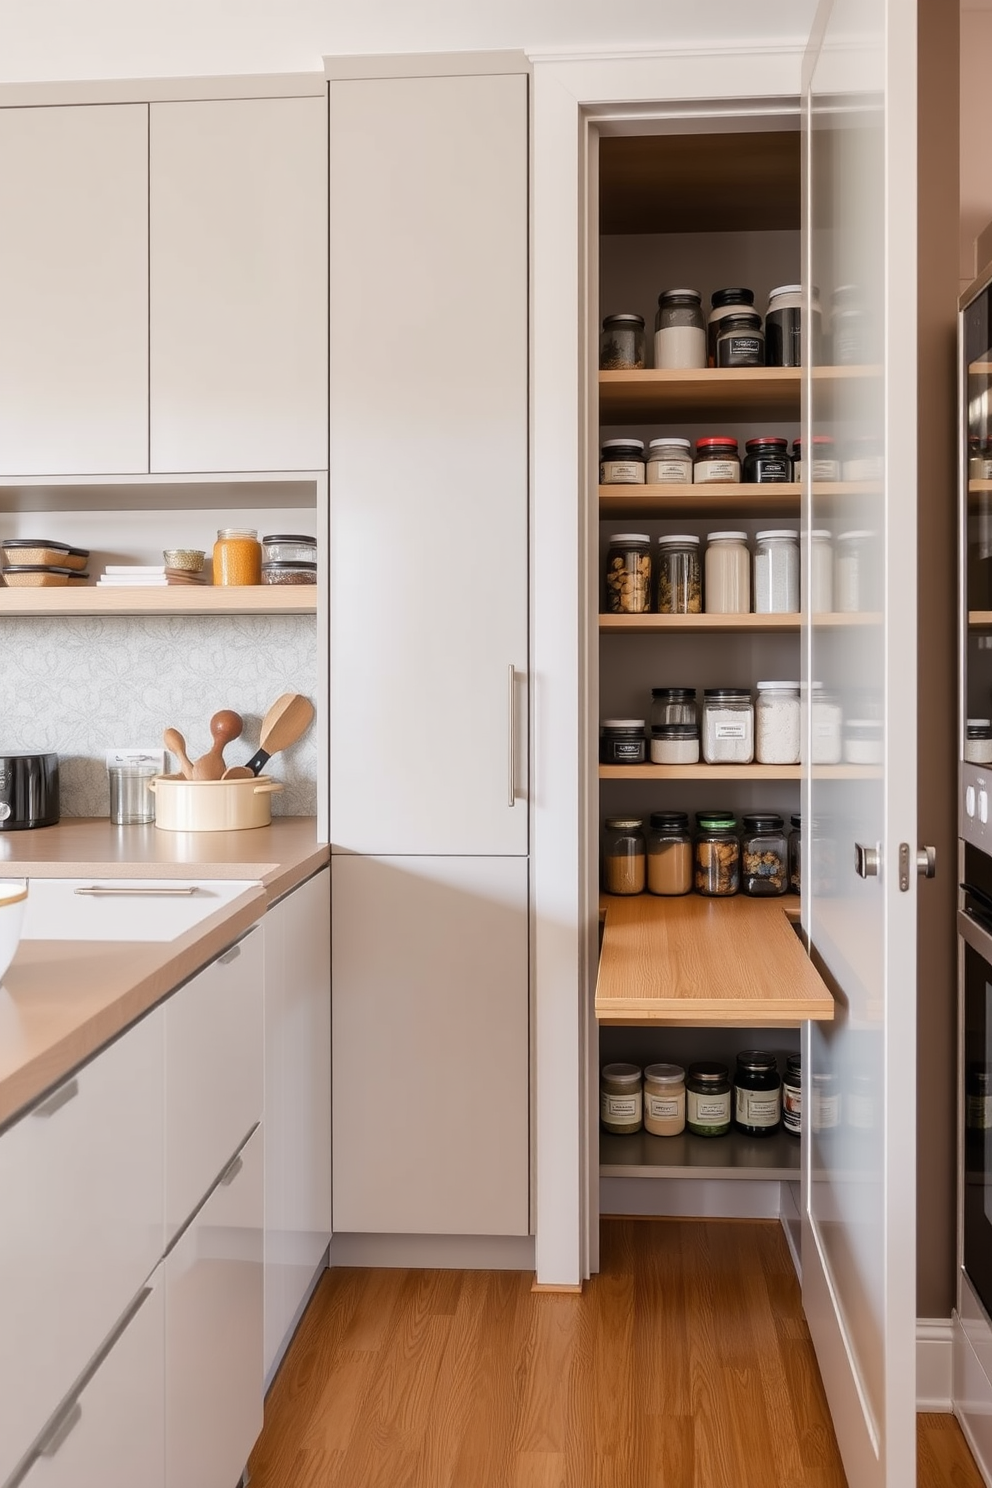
x=717, y=855
x=854, y=577
x=282, y=547
x=708, y=1099
x=796, y=853
x=777, y=723
x=792, y=1096
x=767, y=461
x=764, y=856
x=757, y=1093
x=673, y=705
x=680, y=589
x=628, y=574
x=621, y=462
x=977, y=741
x=827, y=720
x=979, y=458
x=727, y=574
x=821, y=576
x=724, y=302
x=863, y=741
x=776, y=572
x=237, y=556
x=717, y=461
x=728, y=726
x=863, y=459
x=624, y=855
x=620, y=1098
x=289, y=573
x=823, y=459
x=621, y=343
x=674, y=744
x=664, y=1100
x=824, y=1102
x=679, y=332
x=669, y=462
x=670, y=856
x=740, y=341
x=848, y=326
x=622, y=741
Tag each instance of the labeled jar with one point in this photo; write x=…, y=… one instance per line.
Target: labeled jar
x=624, y=856
x=717, y=461
x=863, y=741
x=821, y=572
x=777, y=724
x=670, y=855
x=792, y=1096
x=717, y=855
x=669, y=462
x=979, y=458
x=977, y=741
x=824, y=463
x=724, y=302
x=674, y=744
x=621, y=343
x=784, y=326
x=740, y=341
x=708, y=1099
x=764, y=856
x=824, y=1103
x=862, y=1103
x=622, y=742
x=863, y=460
x=664, y=1100
x=680, y=587
x=673, y=705
x=728, y=726
x=628, y=574
x=727, y=574
x=776, y=572
x=679, y=332
x=237, y=556
x=621, y=462
x=767, y=461
x=854, y=576
x=848, y=326
x=757, y=1093
x=283, y=547
x=978, y=1098
x=827, y=719
x=796, y=853
x=620, y=1098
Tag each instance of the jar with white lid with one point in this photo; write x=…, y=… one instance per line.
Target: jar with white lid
x=821, y=576
x=664, y=1100
x=784, y=325
x=724, y=302
x=679, y=332
x=977, y=741
x=728, y=726
x=680, y=590
x=776, y=572
x=777, y=723
x=628, y=574
x=621, y=462
x=669, y=462
x=620, y=1098
x=727, y=574
x=854, y=576
x=863, y=741
x=717, y=461
x=826, y=718
x=621, y=344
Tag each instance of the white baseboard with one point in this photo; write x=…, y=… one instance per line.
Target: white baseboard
x=435, y=1252
x=934, y=1364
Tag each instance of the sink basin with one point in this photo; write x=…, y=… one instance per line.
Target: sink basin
x=146, y=909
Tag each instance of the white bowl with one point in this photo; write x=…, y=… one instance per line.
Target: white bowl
x=13, y=898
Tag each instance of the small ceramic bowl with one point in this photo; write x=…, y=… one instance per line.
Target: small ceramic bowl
x=13, y=898
x=190, y=560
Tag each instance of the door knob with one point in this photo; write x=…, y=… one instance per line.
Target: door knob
x=926, y=862
x=865, y=861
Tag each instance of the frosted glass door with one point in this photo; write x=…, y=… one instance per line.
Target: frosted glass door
x=860, y=806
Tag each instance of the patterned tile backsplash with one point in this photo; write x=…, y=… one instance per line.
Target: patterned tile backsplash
x=82, y=686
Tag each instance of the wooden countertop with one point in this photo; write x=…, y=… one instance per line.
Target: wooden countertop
x=690, y=961
x=63, y=1000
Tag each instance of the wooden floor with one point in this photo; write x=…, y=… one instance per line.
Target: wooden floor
x=686, y=1363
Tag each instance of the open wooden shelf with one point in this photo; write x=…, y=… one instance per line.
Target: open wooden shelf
x=760, y=499
x=700, y=772
x=730, y=393
x=692, y=961
x=184, y=599
x=642, y=1155
x=707, y=624
x=980, y=619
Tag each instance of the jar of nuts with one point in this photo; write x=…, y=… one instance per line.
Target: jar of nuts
x=765, y=855
x=718, y=854
x=628, y=574
x=680, y=588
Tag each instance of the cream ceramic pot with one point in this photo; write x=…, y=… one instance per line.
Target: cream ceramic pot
x=183, y=805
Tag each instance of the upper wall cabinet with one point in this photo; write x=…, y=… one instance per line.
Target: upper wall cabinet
x=238, y=310
x=74, y=290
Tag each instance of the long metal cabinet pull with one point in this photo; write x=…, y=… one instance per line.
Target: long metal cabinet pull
x=511, y=740
x=62, y=1097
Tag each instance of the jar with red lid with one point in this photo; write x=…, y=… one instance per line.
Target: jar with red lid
x=717, y=461
x=767, y=461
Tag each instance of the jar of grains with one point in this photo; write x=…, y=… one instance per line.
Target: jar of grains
x=624, y=865
x=863, y=741
x=717, y=855
x=708, y=1099
x=669, y=854
x=237, y=556
x=777, y=723
x=680, y=589
x=776, y=572
x=674, y=744
x=757, y=1093
x=621, y=462
x=796, y=853
x=622, y=742
x=977, y=741
x=717, y=461
x=669, y=462
x=621, y=345
x=854, y=571
x=727, y=574
x=792, y=1096
x=821, y=572
x=628, y=574
x=767, y=461
x=724, y=302
x=679, y=332
x=728, y=726
x=740, y=341
x=673, y=705
x=664, y=1100
x=826, y=717
x=620, y=1102
x=764, y=856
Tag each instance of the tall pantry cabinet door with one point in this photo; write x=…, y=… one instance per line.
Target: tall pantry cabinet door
x=74, y=290
x=430, y=1045
x=239, y=285
x=428, y=464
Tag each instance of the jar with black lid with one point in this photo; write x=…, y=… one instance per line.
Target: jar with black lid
x=621, y=345
x=796, y=853
x=669, y=853
x=724, y=302
x=767, y=461
x=622, y=741
x=673, y=705
x=718, y=854
x=708, y=1099
x=784, y=326
x=764, y=856
x=757, y=1093
x=628, y=574
x=741, y=341
x=679, y=332
x=792, y=1096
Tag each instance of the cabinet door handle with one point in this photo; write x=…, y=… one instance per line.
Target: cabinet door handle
x=61, y=1428
x=231, y=1171
x=511, y=736
x=62, y=1097
x=101, y=891
x=229, y=956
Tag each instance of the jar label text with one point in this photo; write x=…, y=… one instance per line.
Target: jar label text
x=757, y=1107
x=620, y=1107
x=708, y=1110
x=730, y=730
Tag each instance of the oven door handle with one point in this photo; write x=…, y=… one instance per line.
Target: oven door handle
x=984, y=899
x=975, y=933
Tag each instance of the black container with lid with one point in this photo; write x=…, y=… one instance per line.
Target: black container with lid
x=740, y=341
x=622, y=741
x=757, y=1093
x=792, y=1096
x=724, y=302
x=764, y=855
x=767, y=461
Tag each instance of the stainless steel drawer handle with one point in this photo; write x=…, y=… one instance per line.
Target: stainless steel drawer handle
x=62, y=1097
x=231, y=1171
x=61, y=1428
x=229, y=956
x=101, y=891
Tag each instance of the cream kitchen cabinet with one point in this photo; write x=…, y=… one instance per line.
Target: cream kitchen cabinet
x=74, y=290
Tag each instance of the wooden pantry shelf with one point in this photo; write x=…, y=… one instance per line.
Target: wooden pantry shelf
x=980, y=619
x=731, y=393
x=697, y=624
x=717, y=500
x=735, y=1155
x=693, y=961
x=700, y=772
x=183, y=599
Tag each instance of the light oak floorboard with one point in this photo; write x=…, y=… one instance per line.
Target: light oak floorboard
x=686, y=1363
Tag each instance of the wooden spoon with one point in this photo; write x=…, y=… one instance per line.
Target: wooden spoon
x=176, y=744
x=238, y=772
x=224, y=726
x=286, y=721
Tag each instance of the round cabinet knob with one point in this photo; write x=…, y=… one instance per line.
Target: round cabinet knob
x=4, y=810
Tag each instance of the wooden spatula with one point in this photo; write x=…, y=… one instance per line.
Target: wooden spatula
x=176, y=744
x=286, y=721
x=224, y=726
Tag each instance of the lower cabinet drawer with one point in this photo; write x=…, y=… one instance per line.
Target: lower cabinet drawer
x=213, y=1332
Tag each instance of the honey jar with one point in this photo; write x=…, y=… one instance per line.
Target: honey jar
x=237, y=557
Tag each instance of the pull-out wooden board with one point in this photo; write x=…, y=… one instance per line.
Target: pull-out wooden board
x=687, y=962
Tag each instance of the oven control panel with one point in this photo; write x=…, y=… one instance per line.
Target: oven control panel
x=975, y=806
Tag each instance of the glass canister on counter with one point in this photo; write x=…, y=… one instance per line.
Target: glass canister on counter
x=796, y=853
x=757, y=1093
x=777, y=723
x=621, y=1098
x=664, y=1100
x=767, y=461
x=621, y=462
x=628, y=574
x=764, y=856
x=740, y=341
x=237, y=556
x=717, y=854
x=624, y=855
x=776, y=572
x=724, y=302
x=728, y=726
x=708, y=1099
x=670, y=854
x=680, y=589
x=717, y=461
x=621, y=343
x=669, y=462
x=727, y=574
x=679, y=331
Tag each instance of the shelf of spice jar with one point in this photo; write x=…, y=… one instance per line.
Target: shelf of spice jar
x=187, y=599
x=732, y=393
x=717, y=499
x=701, y=771
x=691, y=961
x=703, y=624
x=640, y=1155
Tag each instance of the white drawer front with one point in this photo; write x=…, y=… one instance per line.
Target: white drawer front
x=81, y=1226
